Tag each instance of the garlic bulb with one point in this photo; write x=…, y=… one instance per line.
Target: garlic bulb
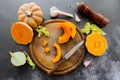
x=54, y=12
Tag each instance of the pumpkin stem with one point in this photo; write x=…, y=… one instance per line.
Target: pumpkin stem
x=29, y=13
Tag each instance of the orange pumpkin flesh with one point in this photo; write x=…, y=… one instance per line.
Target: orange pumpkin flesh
x=66, y=35
x=45, y=43
x=59, y=53
x=72, y=29
x=96, y=44
x=21, y=33
x=69, y=31
x=47, y=50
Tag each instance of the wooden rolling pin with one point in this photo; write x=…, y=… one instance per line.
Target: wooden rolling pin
x=95, y=16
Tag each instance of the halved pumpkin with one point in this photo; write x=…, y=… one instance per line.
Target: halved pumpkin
x=96, y=44
x=22, y=33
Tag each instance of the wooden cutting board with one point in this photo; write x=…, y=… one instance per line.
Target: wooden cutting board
x=43, y=60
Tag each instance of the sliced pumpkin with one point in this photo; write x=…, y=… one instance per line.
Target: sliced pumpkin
x=44, y=43
x=69, y=31
x=59, y=53
x=72, y=28
x=22, y=33
x=47, y=50
x=66, y=35
x=96, y=44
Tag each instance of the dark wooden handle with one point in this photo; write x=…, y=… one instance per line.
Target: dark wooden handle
x=95, y=16
x=56, y=67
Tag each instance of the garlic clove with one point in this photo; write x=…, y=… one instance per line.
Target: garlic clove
x=87, y=63
x=77, y=3
x=77, y=19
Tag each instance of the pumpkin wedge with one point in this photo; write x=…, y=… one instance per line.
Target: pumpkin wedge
x=96, y=44
x=69, y=31
x=59, y=53
x=66, y=35
x=72, y=29
x=22, y=33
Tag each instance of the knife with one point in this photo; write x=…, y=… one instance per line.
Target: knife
x=66, y=56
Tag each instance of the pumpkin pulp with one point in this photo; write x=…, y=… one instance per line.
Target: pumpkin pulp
x=96, y=44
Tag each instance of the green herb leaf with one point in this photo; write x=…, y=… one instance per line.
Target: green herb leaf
x=86, y=28
x=29, y=61
x=42, y=30
x=92, y=28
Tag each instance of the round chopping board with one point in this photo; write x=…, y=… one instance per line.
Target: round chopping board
x=44, y=60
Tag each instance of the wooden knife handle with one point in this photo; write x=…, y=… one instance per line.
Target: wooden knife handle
x=56, y=67
x=95, y=16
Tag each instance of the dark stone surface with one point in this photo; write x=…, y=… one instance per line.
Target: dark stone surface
x=106, y=67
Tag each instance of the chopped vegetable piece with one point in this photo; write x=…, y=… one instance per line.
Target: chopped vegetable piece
x=92, y=28
x=47, y=50
x=96, y=29
x=86, y=28
x=18, y=58
x=29, y=61
x=59, y=53
x=42, y=30
x=96, y=44
x=45, y=42
x=87, y=63
x=22, y=33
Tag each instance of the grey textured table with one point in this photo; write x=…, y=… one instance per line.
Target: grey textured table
x=106, y=67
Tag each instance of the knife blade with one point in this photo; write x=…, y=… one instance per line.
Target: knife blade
x=67, y=56
x=72, y=51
